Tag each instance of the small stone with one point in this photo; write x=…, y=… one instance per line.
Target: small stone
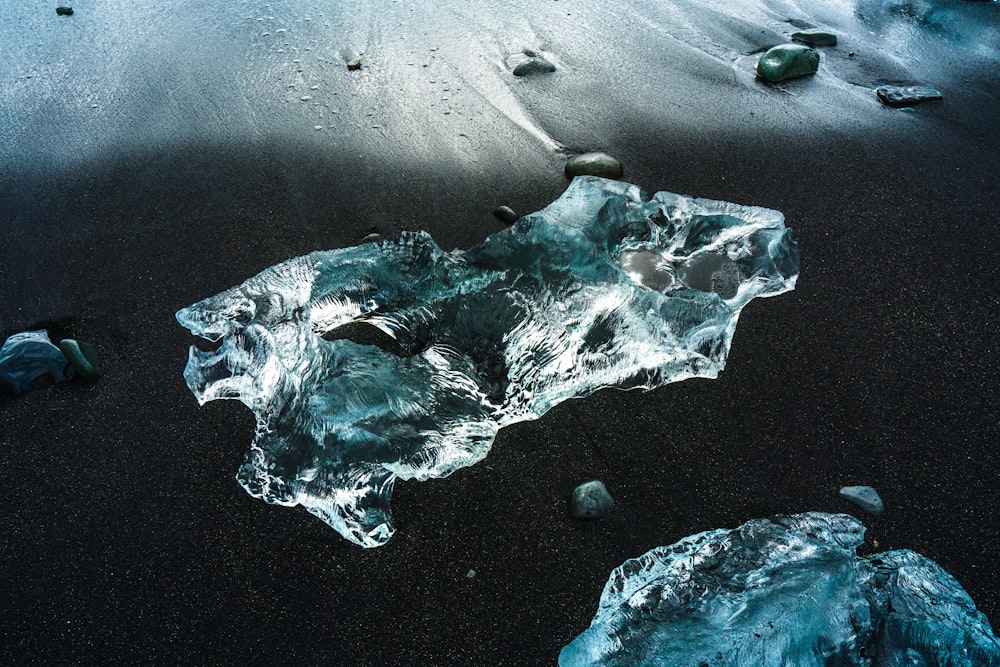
x=535, y=65
x=787, y=61
x=506, y=215
x=864, y=497
x=903, y=96
x=594, y=164
x=815, y=38
x=374, y=237
x=63, y=10
x=83, y=357
x=354, y=64
x=590, y=500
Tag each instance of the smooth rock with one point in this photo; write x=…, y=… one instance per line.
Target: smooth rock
x=535, y=65
x=83, y=357
x=62, y=10
x=354, y=65
x=594, y=164
x=864, y=497
x=815, y=38
x=506, y=215
x=27, y=356
x=590, y=500
x=903, y=96
x=374, y=237
x=787, y=61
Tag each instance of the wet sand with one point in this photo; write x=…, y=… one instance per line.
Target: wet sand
x=126, y=538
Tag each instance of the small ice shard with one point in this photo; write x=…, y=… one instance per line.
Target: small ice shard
x=864, y=497
x=590, y=500
x=814, y=38
x=789, y=590
x=787, y=61
x=593, y=164
x=27, y=356
x=396, y=360
x=904, y=96
x=534, y=65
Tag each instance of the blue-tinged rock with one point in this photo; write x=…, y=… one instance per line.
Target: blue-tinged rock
x=787, y=61
x=904, y=96
x=605, y=287
x=593, y=164
x=815, y=38
x=590, y=500
x=864, y=497
x=789, y=590
x=27, y=356
x=83, y=357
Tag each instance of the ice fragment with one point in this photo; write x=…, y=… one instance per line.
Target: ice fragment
x=396, y=360
x=789, y=590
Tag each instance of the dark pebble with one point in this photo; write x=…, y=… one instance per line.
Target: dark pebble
x=506, y=215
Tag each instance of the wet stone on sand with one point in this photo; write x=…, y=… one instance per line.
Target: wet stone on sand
x=506, y=215
x=815, y=38
x=534, y=65
x=590, y=500
x=904, y=96
x=787, y=61
x=594, y=164
x=864, y=497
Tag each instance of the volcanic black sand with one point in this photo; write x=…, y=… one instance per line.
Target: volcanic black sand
x=127, y=540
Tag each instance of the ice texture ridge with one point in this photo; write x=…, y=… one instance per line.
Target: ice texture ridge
x=605, y=287
x=789, y=590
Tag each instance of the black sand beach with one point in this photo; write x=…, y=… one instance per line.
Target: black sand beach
x=126, y=539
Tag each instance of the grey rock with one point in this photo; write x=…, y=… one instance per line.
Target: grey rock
x=590, y=500
x=594, y=164
x=506, y=215
x=63, y=10
x=903, y=96
x=535, y=65
x=864, y=497
x=815, y=38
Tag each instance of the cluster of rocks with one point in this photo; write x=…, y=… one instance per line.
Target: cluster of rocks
x=800, y=58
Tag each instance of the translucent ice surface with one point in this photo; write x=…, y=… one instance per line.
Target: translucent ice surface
x=789, y=590
x=605, y=287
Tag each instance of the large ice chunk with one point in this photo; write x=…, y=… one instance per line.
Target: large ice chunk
x=603, y=288
x=789, y=590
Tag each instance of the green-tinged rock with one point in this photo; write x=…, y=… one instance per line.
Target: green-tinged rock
x=83, y=357
x=815, y=38
x=536, y=65
x=63, y=10
x=594, y=164
x=787, y=61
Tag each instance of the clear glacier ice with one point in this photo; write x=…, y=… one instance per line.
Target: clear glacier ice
x=789, y=590
x=605, y=287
